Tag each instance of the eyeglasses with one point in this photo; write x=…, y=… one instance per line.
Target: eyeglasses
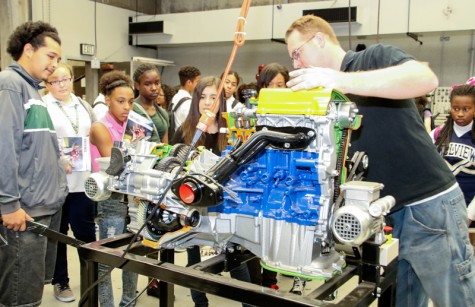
x=296, y=53
x=65, y=81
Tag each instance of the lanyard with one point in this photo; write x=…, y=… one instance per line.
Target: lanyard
x=75, y=126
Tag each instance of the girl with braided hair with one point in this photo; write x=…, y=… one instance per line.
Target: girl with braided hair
x=455, y=141
x=148, y=86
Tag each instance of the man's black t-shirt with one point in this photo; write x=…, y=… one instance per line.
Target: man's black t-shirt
x=401, y=153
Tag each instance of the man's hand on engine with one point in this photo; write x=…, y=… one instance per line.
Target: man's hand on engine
x=310, y=78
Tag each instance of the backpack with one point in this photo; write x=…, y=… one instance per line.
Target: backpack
x=171, y=111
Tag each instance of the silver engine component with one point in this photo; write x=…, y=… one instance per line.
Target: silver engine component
x=362, y=216
x=96, y=185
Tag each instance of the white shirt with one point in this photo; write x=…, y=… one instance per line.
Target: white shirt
x=459, y=130
x=65, y=129
x=182, y=112
x=100, y=109
x=229, y=104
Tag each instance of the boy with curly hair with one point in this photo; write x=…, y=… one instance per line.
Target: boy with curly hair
x=33, y=183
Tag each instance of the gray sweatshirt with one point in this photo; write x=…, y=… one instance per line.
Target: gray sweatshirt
x=31, y=176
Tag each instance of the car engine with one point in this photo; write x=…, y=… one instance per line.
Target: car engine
x=284, y=189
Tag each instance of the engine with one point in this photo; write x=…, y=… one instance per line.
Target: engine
x=279, y=191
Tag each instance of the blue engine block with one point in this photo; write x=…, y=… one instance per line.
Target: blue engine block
x=278, y=184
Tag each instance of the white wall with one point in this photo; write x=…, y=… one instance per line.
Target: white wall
x=263, y=21
x=204, y=39
x=430, y=19
x=450, y=60
x=74, y=20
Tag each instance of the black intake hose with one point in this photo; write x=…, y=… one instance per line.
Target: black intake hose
x=203, y=191
x=255, y=144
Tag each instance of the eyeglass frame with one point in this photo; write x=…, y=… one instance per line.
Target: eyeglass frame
x=296, y=52
x=58, y=82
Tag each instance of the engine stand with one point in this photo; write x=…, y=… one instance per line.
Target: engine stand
x=375, y=280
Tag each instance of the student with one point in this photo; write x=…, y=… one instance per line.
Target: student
x=165, y=96
x=33, y=183
x=147, y=83
x=213, y=139
x=246, y=91
x=230, y=87
x=273, y=75
x=455, y=140
x=180, y=106
x=72, y=119
x=422, y=104
x=430, y=215
x=112, y=213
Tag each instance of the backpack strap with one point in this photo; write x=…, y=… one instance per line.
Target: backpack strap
x=97, y=103
x=89, y=110
x=179, y=103
x=235, y=102
x=163, y=114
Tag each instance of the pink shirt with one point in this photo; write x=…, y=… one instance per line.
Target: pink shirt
x=116, y=132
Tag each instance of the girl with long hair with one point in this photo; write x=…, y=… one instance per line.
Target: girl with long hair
x=72, y=118
x=215, y=140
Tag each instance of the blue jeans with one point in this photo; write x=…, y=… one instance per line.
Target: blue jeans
x=436, y=258
x=27, y=262
x=78, y=211
x=112, y=217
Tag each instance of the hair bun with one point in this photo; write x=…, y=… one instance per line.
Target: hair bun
x=471, y=81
